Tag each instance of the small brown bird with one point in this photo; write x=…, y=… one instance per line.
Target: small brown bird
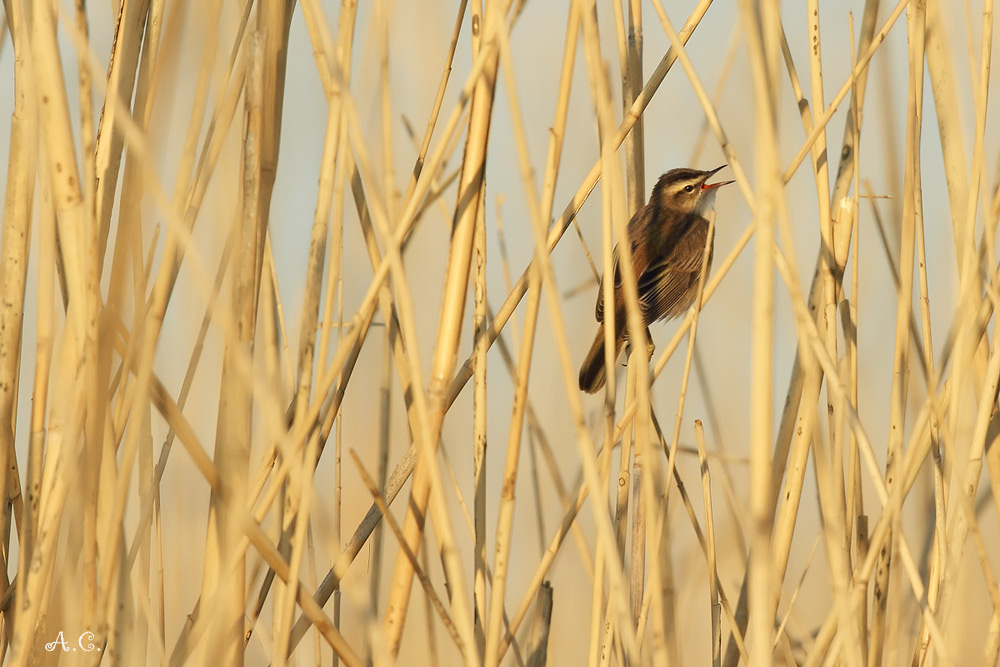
x=668, y=237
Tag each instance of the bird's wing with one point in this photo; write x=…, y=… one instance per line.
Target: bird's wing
x=667, y=286
x=636, y=226
x=599, y=308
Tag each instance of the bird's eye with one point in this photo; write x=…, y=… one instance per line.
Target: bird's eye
x=688, y=188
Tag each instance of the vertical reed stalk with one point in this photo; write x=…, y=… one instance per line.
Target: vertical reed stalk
x=449, y=326
x=713, y=574
x=14, y=246
x=904, y=298
x=762, y=22
x=479, y=405
x=232, y=450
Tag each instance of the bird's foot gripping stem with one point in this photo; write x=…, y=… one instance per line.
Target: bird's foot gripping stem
x=650, y=348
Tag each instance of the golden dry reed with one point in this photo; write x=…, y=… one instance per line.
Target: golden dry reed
x=285, y=236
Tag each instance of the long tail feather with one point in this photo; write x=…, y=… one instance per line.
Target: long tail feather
x=592, y=371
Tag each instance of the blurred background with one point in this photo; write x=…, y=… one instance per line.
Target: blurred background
x=410, y=40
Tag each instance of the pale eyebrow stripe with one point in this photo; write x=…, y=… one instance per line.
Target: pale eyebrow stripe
x=683, y=184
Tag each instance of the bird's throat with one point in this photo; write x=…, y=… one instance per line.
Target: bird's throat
x=706, y=204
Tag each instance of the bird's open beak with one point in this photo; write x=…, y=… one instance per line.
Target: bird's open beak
x=709, y=186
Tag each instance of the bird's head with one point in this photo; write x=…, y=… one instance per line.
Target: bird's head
x=687, y=190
